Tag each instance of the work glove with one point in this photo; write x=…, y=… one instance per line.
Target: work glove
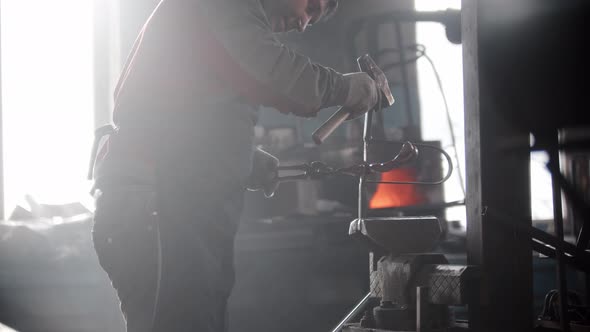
x=265, y=174
x=363, y=94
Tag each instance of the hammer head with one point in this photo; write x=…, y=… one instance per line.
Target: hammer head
x=369, y=66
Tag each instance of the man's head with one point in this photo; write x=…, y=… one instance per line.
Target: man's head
x=288, y=15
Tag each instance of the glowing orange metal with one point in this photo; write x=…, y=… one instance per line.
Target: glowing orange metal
x=397, y=195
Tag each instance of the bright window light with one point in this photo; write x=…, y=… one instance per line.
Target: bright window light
x=47, y=87
x=447, y=58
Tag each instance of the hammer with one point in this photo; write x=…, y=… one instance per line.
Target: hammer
x=367, y=65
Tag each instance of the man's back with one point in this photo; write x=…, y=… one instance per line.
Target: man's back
x=174, y=107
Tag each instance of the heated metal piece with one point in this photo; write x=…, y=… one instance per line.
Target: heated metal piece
x=266, y=169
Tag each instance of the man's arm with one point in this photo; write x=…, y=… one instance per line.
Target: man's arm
x=240, y=46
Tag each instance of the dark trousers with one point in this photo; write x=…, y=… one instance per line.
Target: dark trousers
x=168, y=254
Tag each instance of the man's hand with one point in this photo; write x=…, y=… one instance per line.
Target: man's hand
x=363, y=94
x=264, y=175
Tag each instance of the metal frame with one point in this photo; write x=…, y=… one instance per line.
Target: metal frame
x=497, y=182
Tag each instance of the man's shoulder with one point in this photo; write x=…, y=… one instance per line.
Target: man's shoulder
x=244, y=10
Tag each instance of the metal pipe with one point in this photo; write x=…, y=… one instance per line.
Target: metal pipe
x=362, y=196
x=353, y=313
x=580, y=205
x=541, y=236
x=549, y=251
x=559, y=254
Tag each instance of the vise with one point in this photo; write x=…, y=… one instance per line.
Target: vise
x=411, y=289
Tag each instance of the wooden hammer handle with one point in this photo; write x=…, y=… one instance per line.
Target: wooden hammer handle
x=320, y=135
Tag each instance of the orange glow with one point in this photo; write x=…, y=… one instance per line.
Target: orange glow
x=396, y=195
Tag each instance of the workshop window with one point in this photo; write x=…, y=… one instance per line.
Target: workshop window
x=442, y=105
x=47, y=95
